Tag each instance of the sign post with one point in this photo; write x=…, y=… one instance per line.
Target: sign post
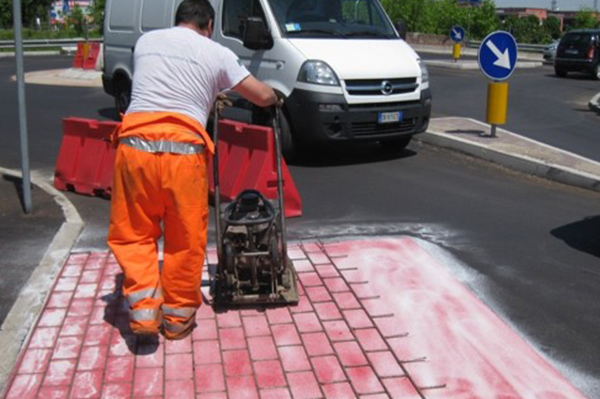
x=457, y=34
x=497, y=60
x=26, y=180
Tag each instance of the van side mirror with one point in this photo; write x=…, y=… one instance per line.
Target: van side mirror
x=256, y=34
x=401, y=28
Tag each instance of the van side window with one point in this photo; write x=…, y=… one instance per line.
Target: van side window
x=361, y=12
x=236, y=13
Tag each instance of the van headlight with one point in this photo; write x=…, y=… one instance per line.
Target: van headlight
x=318, y=72
x=424, y=72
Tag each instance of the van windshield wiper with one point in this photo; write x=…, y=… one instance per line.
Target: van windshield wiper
x=367, y=33
x=323, y=31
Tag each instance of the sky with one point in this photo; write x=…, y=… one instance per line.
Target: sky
x=567, y=5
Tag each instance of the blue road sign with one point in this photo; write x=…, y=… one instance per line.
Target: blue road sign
x=457, y=34
x=498, y=55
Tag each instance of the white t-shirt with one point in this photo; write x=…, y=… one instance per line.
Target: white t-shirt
x=179, y=70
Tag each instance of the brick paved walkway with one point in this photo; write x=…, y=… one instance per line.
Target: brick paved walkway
x=347, y=338
x=334, y=344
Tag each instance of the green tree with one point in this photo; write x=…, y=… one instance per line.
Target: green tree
x=438, y=16
x=552, y=27
x=76, y=20
x=30, y=8
x=585, y=19
x=484, y=20
x=97, y=14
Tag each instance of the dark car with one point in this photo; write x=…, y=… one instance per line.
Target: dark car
x=579, y=51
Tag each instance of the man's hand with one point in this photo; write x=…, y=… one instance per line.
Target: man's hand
x=222, y=102
x=280, y=100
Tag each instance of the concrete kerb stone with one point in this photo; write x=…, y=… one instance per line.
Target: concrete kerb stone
x=468, y=64
x=594, y=103
x=514, y=161
x=30, y=53
x=26, y=310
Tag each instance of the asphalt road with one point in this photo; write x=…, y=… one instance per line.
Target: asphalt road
x=528, y=247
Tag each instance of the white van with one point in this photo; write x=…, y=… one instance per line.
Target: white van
x=346, y=73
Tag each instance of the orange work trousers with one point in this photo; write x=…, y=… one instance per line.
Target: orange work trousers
x=150, y=189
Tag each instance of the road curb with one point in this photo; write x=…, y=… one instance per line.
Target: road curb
x=595, y=103
x=26, y=310
x=472, y=65
x=518, y=162
x=31, y=54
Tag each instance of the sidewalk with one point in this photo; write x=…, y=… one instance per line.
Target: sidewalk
x=514, y=151
x=377, y=318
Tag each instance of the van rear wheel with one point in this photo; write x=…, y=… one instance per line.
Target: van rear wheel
x=122, y=95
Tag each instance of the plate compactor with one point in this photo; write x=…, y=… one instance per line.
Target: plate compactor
x=253, y=266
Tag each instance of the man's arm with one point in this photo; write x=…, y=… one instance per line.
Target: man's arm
x=256, y=92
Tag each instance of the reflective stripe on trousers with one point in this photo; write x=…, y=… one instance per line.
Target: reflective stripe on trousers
x=144, y=314
x=172, y=147
x=179, y=312
x=135, y=297
x=178, y=327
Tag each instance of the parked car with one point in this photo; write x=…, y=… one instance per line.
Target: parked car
x=550, y=51
x=579, y=51
x=344, y=69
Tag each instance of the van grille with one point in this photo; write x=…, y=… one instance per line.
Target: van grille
x=373, y=128
x=378, y=87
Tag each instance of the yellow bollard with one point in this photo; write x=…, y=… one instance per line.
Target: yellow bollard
x=497, y=103
x=85, y=48
x=456, y=51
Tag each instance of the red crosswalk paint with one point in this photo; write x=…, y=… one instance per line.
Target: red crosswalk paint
x=455, y=341
x=377, y=318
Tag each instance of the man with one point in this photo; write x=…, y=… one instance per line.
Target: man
x=160, y=169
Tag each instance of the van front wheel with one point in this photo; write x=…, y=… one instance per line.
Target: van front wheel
x=288, y=147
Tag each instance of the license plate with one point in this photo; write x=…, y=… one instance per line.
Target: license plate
x=572, y=52
x=389, y=117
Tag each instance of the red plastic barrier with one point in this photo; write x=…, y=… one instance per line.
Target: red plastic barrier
x=78, y=60
x=247, y=160
x=86, y=158
x=92, y=56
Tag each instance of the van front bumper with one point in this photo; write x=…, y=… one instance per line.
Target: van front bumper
x=328, y=117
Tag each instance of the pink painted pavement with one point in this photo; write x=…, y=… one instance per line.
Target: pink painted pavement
x=377, y=318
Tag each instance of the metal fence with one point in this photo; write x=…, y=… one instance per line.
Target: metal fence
x=41, y=43
x=532, y=48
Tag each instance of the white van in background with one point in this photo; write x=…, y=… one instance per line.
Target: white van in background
x=344, y=70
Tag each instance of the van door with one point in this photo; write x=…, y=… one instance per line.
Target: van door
x=235, y=13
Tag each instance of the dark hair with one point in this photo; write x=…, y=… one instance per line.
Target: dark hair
x=196, y=12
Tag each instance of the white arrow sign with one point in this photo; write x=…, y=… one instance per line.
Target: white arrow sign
x=503, y=60
x=457, y=34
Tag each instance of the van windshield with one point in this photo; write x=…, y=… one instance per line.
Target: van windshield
x=356, y=19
